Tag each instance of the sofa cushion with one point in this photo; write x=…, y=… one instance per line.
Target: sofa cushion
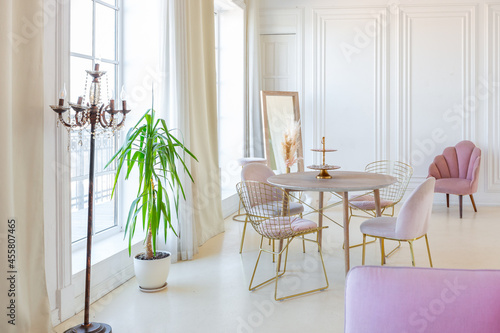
x=404, y=299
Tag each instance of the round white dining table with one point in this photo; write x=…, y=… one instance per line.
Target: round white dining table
x=341, y=182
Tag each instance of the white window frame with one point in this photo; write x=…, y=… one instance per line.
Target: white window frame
x=117, y=226
x=229, y=203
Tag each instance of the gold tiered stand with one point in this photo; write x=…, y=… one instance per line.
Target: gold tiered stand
x=323, y=174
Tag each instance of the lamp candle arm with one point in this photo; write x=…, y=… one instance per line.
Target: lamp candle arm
x=122, y=122
x=102, y=118
x=61, y=119
x=80, y=119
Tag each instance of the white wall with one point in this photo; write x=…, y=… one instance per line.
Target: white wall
x=401, y=82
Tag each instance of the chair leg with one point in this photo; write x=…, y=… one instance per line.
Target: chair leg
x=302, y=293
x=460, y=204
x=473, y=203
x=364, y=246
x=274, y=256
x=252, y=288
x=428, y=249
x=394, y=250
x=382, y=251
x=256, y=264
x=412, y=254
x=286, y=256
x=447, y=200
x=358, y=245
x=303, y=240
x=243, y=236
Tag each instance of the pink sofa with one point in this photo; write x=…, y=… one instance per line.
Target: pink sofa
x=457, y=172
x=404, y=299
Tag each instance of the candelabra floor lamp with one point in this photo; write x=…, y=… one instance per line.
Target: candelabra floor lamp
x=100, y=118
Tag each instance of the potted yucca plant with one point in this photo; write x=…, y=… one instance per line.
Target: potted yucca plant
x=159, y=158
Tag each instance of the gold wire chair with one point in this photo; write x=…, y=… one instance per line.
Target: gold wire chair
x=390, y=196
x=268, y=210
x=260, y=173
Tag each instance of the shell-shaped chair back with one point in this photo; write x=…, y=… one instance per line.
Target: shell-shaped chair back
x=413, y=219
x=460, y=161
x=400, y=170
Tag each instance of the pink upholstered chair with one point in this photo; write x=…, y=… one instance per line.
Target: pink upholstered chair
x=260, y=173
x=457, y=172
x=411, y=224
x=432, y=300
x=390, y=196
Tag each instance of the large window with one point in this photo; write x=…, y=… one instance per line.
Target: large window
x=229, y=48
x=93, y=37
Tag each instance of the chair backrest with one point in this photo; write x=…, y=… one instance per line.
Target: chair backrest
x=259, y=173
x=400, y=170
x=413, y=219
x=460, y=161
x=414, y=299
x=258, y=201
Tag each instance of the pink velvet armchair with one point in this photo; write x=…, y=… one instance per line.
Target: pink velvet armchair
x=457, y=172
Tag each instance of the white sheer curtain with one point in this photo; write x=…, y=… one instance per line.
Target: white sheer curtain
x=254, y=139
x=21, y=170
x=188, y=59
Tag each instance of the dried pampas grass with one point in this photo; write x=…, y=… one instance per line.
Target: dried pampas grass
x=290, y=144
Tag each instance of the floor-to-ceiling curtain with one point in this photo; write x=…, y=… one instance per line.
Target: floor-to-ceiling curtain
x=188, y=58
x=254, y=138
x=23, y=292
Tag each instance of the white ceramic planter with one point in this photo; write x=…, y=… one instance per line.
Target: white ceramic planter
x=152, y=274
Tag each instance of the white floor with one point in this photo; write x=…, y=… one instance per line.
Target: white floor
x=210, y=293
